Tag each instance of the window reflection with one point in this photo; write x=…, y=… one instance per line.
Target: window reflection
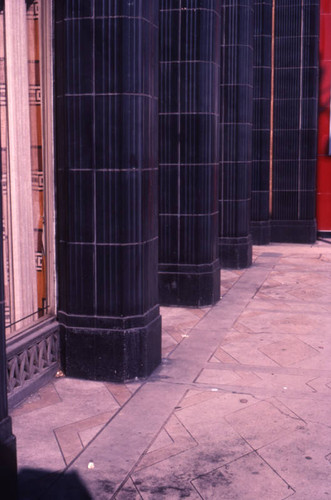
x=23, y=191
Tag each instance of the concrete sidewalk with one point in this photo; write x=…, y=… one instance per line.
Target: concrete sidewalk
x=239, y=409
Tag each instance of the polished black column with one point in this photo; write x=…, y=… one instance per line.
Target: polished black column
x=260, y=221
x=236, y=118
x=107, y=178
x=189, y=152
x=8, y=465
x=295, y=121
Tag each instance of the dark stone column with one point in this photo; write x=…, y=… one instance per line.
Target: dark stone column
x=295, y=121
x=260, y=222
x=106, y=156
x=188, y=141
x=8, y=465
x=235, y=244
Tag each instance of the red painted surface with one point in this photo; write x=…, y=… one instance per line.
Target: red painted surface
x=323, y=207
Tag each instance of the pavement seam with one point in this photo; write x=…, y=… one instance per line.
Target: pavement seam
x=315, y=390
x=263, y=392
x=296, y=417
x=255, y=451
x=285, y=370
x=129, y=474
x=64, y=460
x=137, y=490
x=278, y=474
x=163, y=428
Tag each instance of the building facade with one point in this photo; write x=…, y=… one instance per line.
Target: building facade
x=145, y=145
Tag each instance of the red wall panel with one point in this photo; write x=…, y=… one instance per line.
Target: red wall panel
x=323, y=199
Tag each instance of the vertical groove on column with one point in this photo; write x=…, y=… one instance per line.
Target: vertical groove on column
x=295, y=121
x=107, y=165
x=260, y=224
x=188, y=118
x=236, y=133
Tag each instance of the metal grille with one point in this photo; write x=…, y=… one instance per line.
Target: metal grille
x=29, y=364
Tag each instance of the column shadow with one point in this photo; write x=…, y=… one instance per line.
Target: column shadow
x=39, y=484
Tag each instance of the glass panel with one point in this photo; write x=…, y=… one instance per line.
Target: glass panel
x=23, y=191
x=36, y=151
x=4, y=174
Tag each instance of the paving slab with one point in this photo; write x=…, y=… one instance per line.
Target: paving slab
x=301, y=458
x=247, y=478
x=239, y=409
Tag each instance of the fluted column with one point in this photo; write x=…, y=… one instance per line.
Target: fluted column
x=188, y=141
x=235, y=244
x=295, y=121
x=262, y=58
x=107, y=175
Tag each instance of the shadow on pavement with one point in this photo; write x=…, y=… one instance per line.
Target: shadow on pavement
x=38, y=484
x=8, y=468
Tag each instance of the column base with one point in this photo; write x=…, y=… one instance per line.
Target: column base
x=235, y=253
x=260, y=232
x=8, y=462
x=189, y=285
x=291, y=231
x=127, y=349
